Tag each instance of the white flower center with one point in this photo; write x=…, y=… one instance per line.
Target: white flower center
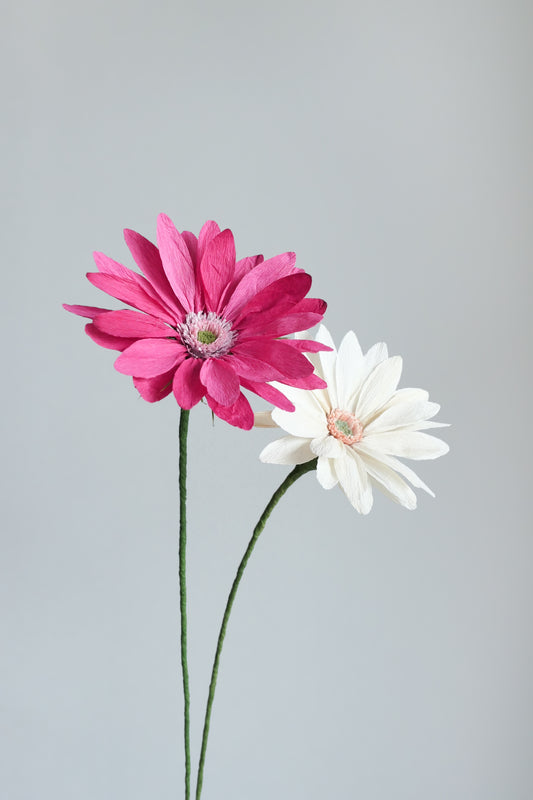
x=206, y=335
x=344, y=426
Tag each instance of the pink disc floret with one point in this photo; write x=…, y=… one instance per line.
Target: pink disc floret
x=344, y=426
x=206, y=335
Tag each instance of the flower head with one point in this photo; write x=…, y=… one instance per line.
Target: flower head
x=358, y=426
x=204, y=324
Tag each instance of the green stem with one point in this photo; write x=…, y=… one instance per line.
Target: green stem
x=184, y=426
x=293, y=476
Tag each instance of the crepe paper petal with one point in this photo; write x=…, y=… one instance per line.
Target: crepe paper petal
x=287, y=450
x=129, y=292
x=187, y=387
x=134, y=324
x=147, y=258
x=269, y=393
x=147, y=358
x=107, y=341
x=85, y=311
x=177, y=261
x=220, y=380
x=240, y=414
x=154, y=389
x=217, y=267
x=325, y=473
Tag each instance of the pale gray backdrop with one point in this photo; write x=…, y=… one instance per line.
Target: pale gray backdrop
x=378, y=658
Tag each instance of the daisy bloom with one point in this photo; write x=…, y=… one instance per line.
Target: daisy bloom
x=358, y=426
x=204, y=324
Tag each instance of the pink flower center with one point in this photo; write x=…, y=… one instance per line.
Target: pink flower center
x=206, y=335
x=344, y=426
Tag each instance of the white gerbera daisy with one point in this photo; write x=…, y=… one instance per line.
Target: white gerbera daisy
x=358, y=426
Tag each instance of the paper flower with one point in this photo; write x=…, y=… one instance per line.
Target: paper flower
x=358, y=426
x=206, y=325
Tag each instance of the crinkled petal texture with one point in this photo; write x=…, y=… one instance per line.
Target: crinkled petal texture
x=203, y=325
x=359, y=426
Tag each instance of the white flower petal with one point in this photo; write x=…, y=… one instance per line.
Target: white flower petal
x=354, y=482
x=288, y=450
x=388, y=480
x=325, y=472
x=300, y=398
x=401, y=414
x=306, y=421
x=349, y=369
x=327, y=366
x=263, y=419
x=397, y=466
x=375, y=356
x=378, y=388
x=407, y=444
x=327, y=446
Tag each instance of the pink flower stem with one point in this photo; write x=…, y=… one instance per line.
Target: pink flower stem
x=184, y=426
x=293, y=476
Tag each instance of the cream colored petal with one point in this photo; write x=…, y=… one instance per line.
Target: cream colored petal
x=389, y=481
x=263, y=419
x=301, y=398
x=378, y=388
x=288, y=450
x=375, y=356
x=349, y=369
x=327, y=446
x=407, y=444
x=396, y=465
x=306, y=421
x=325, y=472
x=353, y=479
x=327, y=367
x=400, y=415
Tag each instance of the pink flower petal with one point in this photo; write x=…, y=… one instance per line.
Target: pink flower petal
x=309, y=382
x=187, y=386
x=274, y=300
x=256, y=280
x=208, y=232
x=85, y=311
x=307, y=345
x=129, y=292
x=290, y=323
x=147, y=257
x=133, y=324
x=177, y=261
x=154, y=389
x=270, y=394
x=252, y=369
x=148, y=358
x=280, y=354
x=220, y=380
x=192, y=245
x=105, y=340
x=240, y=414
x=217, y=268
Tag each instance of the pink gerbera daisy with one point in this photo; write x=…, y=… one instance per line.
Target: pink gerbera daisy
x=206, y=325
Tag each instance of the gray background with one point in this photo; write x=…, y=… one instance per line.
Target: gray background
x=390, y=656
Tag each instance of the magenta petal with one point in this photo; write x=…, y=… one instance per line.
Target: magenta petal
x=308, y=346
x=177, y=261
x=129, y=292
x=192, y=245
x=85, y=311
x=290, y=323
x=254, y=281
x=217, y=268
x=244, y=265
x=270, y=394
x=309, y=382
x=147, y=257
x=280, y=354
x=220, y=380
x=240, y=414
x=105, y=340
x=274, y=300
x=133, y=324
x=187, y=386
x=208, y=232
x=252, y=369
x=148, y=358
x=154, y=389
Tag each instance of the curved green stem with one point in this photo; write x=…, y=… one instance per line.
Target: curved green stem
x=184, y=426
x=293, y=476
